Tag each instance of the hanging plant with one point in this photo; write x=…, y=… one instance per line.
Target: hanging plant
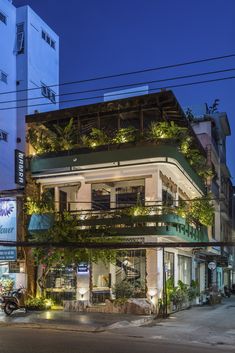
x=128, y=134
x=96, y=138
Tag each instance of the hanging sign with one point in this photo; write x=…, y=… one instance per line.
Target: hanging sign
x=212, y=265
x=83, y=268
x=19, y=168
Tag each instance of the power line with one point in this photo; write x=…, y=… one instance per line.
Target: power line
x=112, y=245
x=127, y=93
x=128, y=73
x=125, y=85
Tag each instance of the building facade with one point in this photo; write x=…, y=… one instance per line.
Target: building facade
x=212, y=130
x=135, y=189
x=29, y=64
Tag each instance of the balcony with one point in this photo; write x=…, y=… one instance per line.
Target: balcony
x=118, y=223
x=103, y=157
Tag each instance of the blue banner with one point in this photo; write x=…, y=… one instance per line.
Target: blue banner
x=8, y=228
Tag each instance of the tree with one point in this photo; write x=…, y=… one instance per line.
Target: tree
x=66, y=229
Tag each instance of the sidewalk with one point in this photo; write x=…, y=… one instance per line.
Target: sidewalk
x=213, y=325
x=71, y=321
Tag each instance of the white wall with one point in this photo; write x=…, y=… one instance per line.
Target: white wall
x=7, y=117
x=39, y=63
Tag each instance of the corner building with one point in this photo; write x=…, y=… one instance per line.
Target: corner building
x=95, y=183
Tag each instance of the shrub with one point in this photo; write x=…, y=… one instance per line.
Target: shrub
x=38, y=303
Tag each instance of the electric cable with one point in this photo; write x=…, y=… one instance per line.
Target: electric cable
x=128, y=73
x=124, y=85
x=121, y=94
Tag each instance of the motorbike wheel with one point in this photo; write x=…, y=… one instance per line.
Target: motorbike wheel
x=9, y=308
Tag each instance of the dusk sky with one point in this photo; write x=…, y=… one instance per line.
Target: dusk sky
x=105, y=37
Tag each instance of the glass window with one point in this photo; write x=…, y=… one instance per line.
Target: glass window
x=131, y=267
x=169, y=264
x=185, y=269
x=129, y=193
x=101, y=196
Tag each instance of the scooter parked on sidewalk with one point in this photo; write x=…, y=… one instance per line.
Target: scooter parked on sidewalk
x=13, y=301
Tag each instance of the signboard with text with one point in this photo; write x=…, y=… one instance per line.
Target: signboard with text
x=19, y=168
x=8, y=227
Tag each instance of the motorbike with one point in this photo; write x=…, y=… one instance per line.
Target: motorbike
x=13, y=301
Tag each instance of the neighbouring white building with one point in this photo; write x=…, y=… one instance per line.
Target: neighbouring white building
x=29, y=63
x=29, y=77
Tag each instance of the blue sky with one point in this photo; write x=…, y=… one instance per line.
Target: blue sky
x=103, y=37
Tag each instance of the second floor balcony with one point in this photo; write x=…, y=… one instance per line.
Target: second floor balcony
x=128, y=222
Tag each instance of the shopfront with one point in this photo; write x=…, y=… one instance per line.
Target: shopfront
x=12, y=272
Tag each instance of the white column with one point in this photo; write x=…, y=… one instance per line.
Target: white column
x=152, y=275
x=84, y=197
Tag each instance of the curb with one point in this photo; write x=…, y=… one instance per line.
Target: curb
x=81, y=328
x=53, y=327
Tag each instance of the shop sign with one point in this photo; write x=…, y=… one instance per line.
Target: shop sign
x=83, y=268
x=7, y=227
x=19, y=168
x=212, y=265
x=14, y=267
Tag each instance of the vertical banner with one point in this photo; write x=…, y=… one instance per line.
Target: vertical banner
x=8, y=227
x=19, y=168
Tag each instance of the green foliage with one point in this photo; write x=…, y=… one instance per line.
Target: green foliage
x=65, y=229
x=125, y=135
x=42, y=206
x=65, y=136
x=57, y=138
x=41, y=138
x=127, y=289
x=137, y=210
x=201, y=211
x=38, y=303
x=165, y=130
x=96, y=138
x=6, y=285
x=193, y=290
x=182, y=293
x=120, y=301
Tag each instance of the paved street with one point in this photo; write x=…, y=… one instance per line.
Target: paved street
x=18, y=340
x=200, y=329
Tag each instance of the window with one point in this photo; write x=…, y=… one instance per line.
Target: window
x=3, y=77
x=48, y=39
x=20, y=38
x=48, y=93
x=3, y=18
x=185, y=269
x=169, y=265
x=3, y=136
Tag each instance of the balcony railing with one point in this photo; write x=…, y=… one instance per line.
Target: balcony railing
x=127, y=222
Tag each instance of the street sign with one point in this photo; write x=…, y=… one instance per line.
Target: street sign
x=212, y=265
